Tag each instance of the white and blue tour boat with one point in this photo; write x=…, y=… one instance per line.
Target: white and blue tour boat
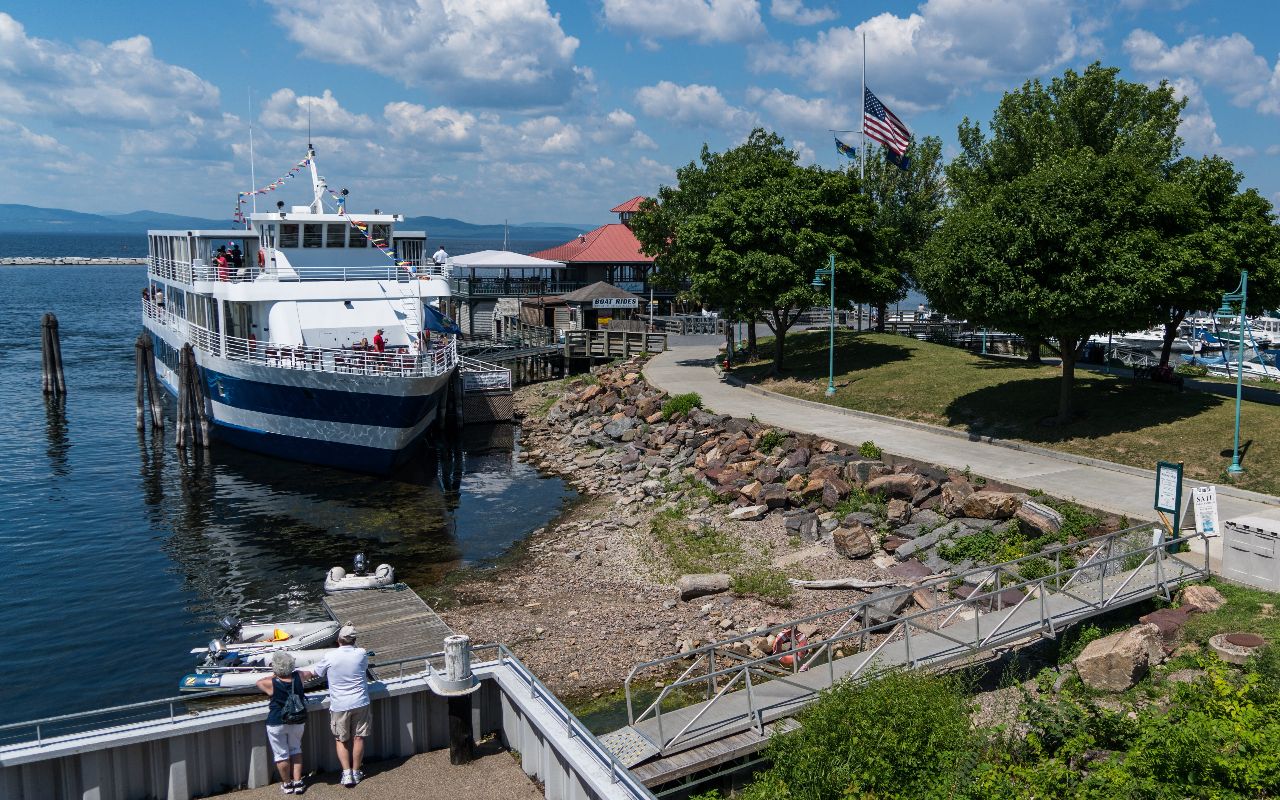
x=286, y=337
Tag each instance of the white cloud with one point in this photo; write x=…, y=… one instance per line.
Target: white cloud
x=643, y=141
x=1227, y=62
x=793, y=112
x=923, y=60
x=704, y=21
x=1197, y=126
x=496, y=53
x=288, y=111
x=1273, y=149
x=795, y=12
x=121, y=83
x=1159, y=5
x=547, y=135
x=437, y=126
x=21, y=138
x=693, y=105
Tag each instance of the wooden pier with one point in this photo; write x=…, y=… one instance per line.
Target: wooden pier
x=393, y=623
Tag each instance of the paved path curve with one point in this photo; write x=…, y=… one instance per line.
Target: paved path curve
x=1116, y=488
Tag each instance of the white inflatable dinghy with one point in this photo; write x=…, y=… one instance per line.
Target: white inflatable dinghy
x=339, y=580
x=238, y=673
x=258, y=636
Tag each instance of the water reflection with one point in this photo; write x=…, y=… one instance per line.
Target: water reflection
x=55, y=431
x=254, y=536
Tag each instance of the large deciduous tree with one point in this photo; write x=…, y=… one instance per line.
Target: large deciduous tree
x=748, y=227
x=1063, y=216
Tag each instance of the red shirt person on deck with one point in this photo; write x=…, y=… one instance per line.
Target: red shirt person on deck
x=379, y=343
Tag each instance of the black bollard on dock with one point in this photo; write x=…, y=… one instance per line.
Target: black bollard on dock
x=52, y=379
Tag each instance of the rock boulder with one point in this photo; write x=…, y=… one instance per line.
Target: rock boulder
x=991, y=505
x=902, y=485
x=852, y=542
x=1202, y=598
x=1115, y=663
x=703, y=584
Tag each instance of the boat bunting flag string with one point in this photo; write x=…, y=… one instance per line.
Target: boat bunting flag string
x=242, y=197
x=364, y=231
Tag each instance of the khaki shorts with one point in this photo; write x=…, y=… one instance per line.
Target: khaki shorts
x=345, y=724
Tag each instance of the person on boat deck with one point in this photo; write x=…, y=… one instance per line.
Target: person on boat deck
x=285, y=738
x=440, y=256
x=350, y=718
x=379, y=343
x=220, y=262
x=237, y=260
x=159, y=298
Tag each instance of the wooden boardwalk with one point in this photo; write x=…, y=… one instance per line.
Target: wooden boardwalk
x=393, y=623
x=694, y=727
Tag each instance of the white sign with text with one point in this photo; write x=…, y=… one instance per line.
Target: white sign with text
x=1205, y=501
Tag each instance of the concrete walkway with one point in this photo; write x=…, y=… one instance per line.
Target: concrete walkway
x=1119, y=489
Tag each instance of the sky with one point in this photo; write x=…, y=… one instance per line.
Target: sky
x=529, y=110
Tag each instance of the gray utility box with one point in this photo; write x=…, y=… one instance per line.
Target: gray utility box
x=1249, y=554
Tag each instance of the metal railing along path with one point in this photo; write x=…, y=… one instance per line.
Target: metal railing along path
x=1000, y=607
x=438, y=360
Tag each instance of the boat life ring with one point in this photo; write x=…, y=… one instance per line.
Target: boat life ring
x=784, y=644
x=262, y=259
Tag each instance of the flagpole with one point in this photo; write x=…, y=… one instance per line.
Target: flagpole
x=862, y=115
x=253, y=181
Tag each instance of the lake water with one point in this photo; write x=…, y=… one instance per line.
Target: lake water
x=134, y=245
x=118, y=554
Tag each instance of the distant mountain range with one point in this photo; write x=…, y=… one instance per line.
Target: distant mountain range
x=31, y=219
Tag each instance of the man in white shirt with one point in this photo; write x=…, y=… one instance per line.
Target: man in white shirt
x=350, y=718
x=440, y=256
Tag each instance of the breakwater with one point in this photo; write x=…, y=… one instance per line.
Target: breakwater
x=75, y=261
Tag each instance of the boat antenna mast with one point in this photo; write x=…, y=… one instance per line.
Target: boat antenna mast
x=318, y=185
x=253, y=180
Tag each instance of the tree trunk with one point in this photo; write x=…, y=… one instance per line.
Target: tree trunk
x=1170, y=333
x=728, y=341
x=1065, y=409
x=753, y=352
x=779, y=345
x=881, y=310
x=1033, y=350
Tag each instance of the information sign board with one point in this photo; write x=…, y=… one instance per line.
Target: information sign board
x=1205, y=502
x=1169, y=490
x=615, y=302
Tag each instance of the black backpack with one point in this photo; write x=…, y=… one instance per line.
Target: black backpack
x=295, y=705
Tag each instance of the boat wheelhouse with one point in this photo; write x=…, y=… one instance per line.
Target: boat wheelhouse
x=320, y=342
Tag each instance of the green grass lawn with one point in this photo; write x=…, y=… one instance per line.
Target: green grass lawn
x=1118, y=419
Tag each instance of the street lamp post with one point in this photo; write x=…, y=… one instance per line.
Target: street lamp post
x=1226, y=312
x=830, y=273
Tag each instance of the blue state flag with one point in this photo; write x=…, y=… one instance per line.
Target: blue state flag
x=435, y=321
x=844, y=149
x=902, y=162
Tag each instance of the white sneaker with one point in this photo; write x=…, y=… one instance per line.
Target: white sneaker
x=356, y=776
x=348, y=778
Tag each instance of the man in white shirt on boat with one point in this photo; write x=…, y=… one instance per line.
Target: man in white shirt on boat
x=440, y=256
x=346, y=669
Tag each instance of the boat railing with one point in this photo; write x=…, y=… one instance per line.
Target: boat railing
x=440, y=356
x=201, y=270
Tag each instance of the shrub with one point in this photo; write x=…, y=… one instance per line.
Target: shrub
x=769, y=440
x=766, y=582
x=1075, y=640
x=869, y=450
x=905, y=735
x=1034, y=568
x=1191, y=370
x=681, y=404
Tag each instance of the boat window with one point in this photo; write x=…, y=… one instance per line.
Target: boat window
x=312, y=235
x=289, y=235
x=381, y=234
x=357, y=239
x=335, y=235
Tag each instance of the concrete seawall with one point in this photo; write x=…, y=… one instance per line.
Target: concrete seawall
x=76, y=261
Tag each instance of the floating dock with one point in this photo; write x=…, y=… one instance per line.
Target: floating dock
x=393, y=623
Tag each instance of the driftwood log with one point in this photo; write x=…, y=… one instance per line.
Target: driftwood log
x=854, y=583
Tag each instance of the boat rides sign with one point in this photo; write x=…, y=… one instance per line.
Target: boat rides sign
x=616, y=302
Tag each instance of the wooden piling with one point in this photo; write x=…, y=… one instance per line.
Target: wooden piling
x=184, y=398
x=140, y=376
x=53, y=379
x=153, y=384
x=461, y=742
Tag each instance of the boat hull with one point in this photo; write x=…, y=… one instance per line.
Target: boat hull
x=364, y=423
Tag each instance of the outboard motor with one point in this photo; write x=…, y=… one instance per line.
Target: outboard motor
x=358, y=567
x=216, y=651
x=230, y=628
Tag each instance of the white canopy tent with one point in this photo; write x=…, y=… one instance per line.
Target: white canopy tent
x=502, y=259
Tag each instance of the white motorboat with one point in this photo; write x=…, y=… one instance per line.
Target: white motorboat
x=339, y=580
x=238, y=672
x=267, y=636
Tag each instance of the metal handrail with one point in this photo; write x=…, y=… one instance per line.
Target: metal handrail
x=978, y=601
x=439, y=360
x=200, y=270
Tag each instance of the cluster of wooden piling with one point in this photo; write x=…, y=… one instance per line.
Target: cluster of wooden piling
x=147, y=384
x=52, y=378
x=193, y=401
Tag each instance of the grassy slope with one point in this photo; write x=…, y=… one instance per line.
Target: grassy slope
x=1121, y=420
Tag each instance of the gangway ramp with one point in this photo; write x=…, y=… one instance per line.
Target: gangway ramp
x=967, y=615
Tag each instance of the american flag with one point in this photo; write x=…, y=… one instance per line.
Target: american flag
x=882, y=125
